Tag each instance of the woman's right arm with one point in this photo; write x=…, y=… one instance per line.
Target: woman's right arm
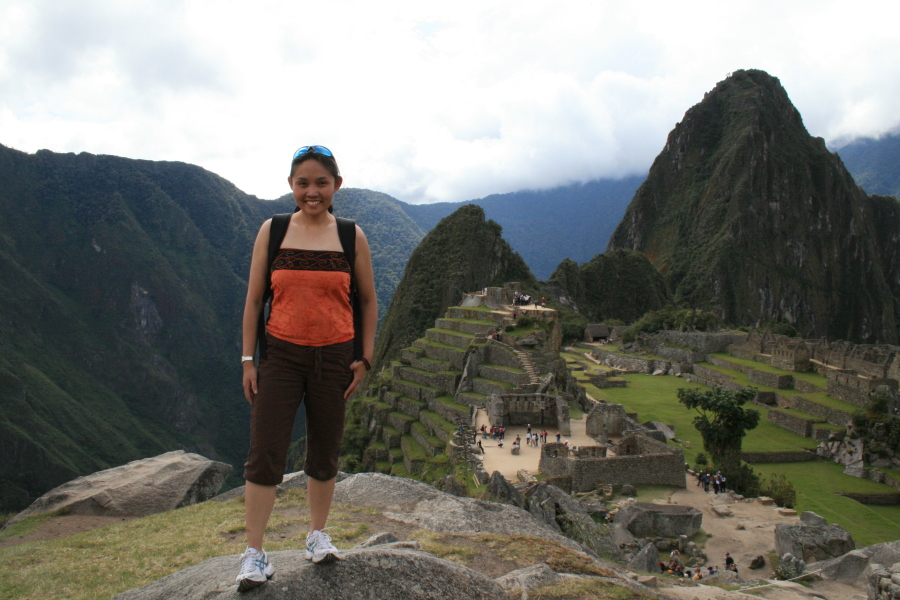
x=256, y=285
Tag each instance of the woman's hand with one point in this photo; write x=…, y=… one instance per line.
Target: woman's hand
x=359, y=371
x=250, y=389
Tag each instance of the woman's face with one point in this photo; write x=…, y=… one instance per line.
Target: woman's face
x=313, y=187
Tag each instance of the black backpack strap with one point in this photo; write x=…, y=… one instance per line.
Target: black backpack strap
x=347, y=235
x=277, y=231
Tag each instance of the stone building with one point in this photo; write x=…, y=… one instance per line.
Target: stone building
x=636, y=459
x=544, y=410
x=596, y=332
x=791, y=354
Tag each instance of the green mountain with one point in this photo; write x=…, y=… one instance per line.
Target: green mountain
x=548, y=226
x=122, y=285
x=875, y=164
x=464, y=252
x=618, y=284
x=747, y=215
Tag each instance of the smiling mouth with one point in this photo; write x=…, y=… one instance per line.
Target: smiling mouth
x=314, y=202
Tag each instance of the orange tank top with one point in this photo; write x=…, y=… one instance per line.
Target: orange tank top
x=311, y=297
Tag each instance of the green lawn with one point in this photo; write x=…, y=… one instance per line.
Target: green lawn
x=817, y=483
x=655, y=398
x=813, y=378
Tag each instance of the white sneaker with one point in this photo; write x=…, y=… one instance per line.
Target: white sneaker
x=319, y=548
x=255, y=569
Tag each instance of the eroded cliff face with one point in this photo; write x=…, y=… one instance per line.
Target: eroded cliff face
x=744, y=213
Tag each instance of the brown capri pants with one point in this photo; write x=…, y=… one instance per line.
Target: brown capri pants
x=291, y=374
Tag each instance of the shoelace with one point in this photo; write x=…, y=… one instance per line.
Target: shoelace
x=319, y=536
x=249, y=560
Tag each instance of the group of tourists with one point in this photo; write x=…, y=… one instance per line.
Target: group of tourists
x=674, y=567
x=532, y=438
x=496, y=431
x=527, y=299
x=717, y=481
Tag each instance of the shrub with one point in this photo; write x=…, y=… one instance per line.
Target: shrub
x=701, y=462
x=779, y=489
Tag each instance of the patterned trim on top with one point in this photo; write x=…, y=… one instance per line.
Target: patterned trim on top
x=290, y=259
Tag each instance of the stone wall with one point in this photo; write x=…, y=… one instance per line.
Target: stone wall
x=612, y=416
x=706, y=343
x=658, y=464
x=792, y=423
x=634, y=364
x=833, y=416
x=529, y=409
x=804, y=387
x=755, y=376
x=852, y=388
x=679, y=354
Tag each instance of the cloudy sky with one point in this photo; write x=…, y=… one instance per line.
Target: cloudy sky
x=425, y=101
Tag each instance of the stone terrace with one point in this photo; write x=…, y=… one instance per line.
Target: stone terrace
x=429, y=392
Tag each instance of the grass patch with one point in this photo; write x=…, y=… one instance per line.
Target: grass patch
x=817, y=483
x=502, y=384
x=655, y=398
x=143, y=550
x=575, y=411
x=596, y=589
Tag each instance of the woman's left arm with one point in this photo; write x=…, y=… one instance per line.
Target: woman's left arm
x=368, y=306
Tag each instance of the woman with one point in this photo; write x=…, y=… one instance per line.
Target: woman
x=309, y=355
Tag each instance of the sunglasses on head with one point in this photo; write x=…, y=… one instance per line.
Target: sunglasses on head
x=314, y=149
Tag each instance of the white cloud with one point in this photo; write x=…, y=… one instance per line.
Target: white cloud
x=423, y=101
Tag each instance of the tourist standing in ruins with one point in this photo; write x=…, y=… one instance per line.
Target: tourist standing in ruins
x=306, y=351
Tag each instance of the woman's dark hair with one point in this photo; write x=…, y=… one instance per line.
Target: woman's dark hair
x=328, y=162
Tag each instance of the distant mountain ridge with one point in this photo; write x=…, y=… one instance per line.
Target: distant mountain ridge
x=745, y=214
x=547, y=226
x=875, y=164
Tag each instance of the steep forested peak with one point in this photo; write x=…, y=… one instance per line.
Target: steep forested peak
x=746, y=214
x=464, y=252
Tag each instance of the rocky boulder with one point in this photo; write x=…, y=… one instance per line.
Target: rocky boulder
x=362, y=574
x=139, y=488
x=551, y=505
x=500, y=490
x=647, y=560
x=646, y=520
x=849, y=567
x=810, y=518
x=535, y=576
x=813, y=542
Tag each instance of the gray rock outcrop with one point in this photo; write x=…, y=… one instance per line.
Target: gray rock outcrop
x=850, y=567
x=813, y=542
x=420, y=504
x=647, y=560
x=500, y=490
x=139, y=488
x=535, y=576
x=810, y=518
x=551, y=505
x=379, y=572
x=646, y=520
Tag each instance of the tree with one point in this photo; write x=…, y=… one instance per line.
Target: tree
x=723, y=422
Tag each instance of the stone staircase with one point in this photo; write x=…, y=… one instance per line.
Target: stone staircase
x=528, y=366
